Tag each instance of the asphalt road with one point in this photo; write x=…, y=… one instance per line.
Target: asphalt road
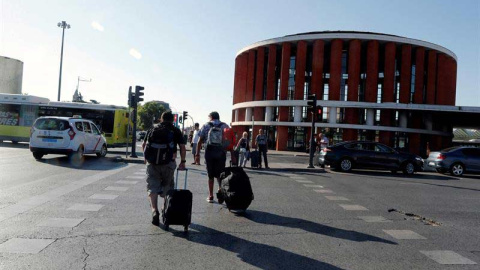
x=95, y=215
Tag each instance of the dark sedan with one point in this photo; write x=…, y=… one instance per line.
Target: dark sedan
x=455, y=160
x=346, y=156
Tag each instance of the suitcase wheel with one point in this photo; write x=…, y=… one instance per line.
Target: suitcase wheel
x=166, y=226
x=185, y=228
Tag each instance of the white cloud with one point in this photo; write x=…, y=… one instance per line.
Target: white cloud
x=97, y=26
x=135, y=53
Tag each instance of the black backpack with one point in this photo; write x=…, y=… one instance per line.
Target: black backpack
x=160, y=145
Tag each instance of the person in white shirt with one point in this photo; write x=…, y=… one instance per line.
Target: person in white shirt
x=196, y=137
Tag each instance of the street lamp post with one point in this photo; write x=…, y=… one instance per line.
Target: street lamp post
x=62, y=25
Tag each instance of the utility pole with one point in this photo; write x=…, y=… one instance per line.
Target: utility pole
x=62, y=25
x=312, y=103
x=135, y=98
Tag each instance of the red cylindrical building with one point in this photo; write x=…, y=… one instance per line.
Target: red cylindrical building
x=369, y=86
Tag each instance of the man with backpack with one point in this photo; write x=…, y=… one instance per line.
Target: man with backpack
x=261, y=142
x=160, y=151
x=211, y=134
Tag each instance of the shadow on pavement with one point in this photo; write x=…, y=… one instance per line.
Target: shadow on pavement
x=273, y=219
x=20, y=145
x=258, y=255
x=87, y=163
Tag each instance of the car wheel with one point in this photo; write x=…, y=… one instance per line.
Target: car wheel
x=457, y=169
x=408, y=168
x=345, y=165
x=78, y=155
x=37, y=156
x=103, y=151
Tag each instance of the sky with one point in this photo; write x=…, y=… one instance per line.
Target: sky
x=183, y=52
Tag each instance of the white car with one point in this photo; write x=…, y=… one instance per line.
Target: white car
x=70, y=136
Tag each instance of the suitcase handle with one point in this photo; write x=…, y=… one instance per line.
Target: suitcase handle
x=176, y=178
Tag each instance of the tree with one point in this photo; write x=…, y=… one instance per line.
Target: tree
x=148, y=113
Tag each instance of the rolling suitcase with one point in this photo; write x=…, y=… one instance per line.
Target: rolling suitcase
x=254, y=159
x=235, y=189
x=177, y=209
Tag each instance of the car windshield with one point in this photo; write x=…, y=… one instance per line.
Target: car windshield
x=52, y=124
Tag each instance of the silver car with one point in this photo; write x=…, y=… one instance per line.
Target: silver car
x=455, y=160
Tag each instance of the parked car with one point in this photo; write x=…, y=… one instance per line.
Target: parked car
x=346, y=156
x=70, y=136
x=455, y=160
x=141, y=135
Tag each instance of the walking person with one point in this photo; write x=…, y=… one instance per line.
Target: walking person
x=195, y=138
x=243, y=149
x=211, y=134
x=261, y=143
x=324, y=141
x=160, y=150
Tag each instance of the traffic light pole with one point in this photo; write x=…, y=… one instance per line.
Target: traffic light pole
x=134, y=135
x=312, y=132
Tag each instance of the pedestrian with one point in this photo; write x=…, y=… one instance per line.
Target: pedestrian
x=211, y=134
x=160, y=150
x=196, y=137
x=324, y=141
x=261, y=143
x=243, y=149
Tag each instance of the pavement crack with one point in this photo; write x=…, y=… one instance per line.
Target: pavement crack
x=86, y=255
x=426, y=221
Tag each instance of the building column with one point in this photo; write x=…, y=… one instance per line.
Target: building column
x=236, y=115
x=406, y=74
x=248, y=114
x=298, y=114
x=284, y=73
x=317, y=68
x=431, y=76
x=282, y=138
x=332, y=113
x=370, y=117
x=335, y=69
x=272, y=57
x=402, y=119
x=268, y=114
x=372, y=72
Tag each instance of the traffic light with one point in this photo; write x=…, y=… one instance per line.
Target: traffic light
x=180, y=119
x=131, y=97
x=139, y=93
x=312, y=101
x=185, y=114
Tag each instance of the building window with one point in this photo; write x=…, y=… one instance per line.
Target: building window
x=291, y=79
x=379, y=93
x=325, y=91
x=291, y=114
x=412, y=84
x=277, y=90
x=377, y=117
x=325, y=114
x=343, y=81
x=340, y=115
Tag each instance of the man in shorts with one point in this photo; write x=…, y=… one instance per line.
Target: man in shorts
x=215, y=156
x=160, y=178
x=195, y=138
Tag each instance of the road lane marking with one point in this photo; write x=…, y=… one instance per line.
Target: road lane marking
x=99, y=196
x=337, y=198
x=353, y=207
x=61, y=222
x=86, y=207
x=304, y=181
x=375, y=219
x=323, y=191
x=446, y=257
x=140, y=173
x=21, y=245
x=297, y=177
x=313, y=186
x=112, y=188
x=35, y=201
x=126, y=182
x=404, y=234
x=135, y=177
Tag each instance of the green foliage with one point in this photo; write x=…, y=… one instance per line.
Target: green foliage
x=147, y=114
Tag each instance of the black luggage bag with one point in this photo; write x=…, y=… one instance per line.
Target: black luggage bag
x=235, y=189
x=177, y=209
x=235, y=159
x=255, y=159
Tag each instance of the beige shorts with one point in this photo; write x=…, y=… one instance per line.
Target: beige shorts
x=160, y=178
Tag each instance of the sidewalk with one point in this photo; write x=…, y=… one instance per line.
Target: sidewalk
x=118, y=155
